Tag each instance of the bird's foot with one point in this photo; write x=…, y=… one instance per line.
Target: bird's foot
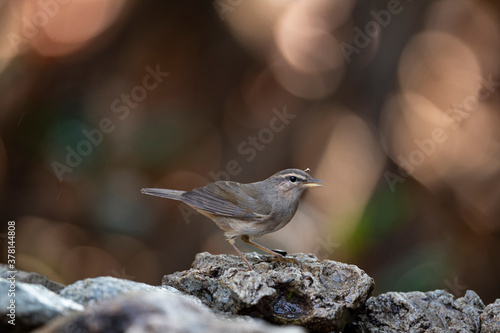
x=286, y=260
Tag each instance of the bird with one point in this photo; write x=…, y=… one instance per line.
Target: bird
x=247, y=210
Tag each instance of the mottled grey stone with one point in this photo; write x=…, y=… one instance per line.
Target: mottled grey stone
x=31, y=277
x=433, y=311
x=490, y=318
x=158, y=311
x=102, y=288
x=33, y=306
x=322, y=295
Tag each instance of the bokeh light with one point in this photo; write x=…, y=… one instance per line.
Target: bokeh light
x=394, y=107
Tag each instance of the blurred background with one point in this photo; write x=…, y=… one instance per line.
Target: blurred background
x=393, y=104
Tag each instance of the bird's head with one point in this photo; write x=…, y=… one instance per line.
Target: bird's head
x=291, y=183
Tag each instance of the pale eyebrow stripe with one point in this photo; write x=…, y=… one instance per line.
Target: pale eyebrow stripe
x=292, y=174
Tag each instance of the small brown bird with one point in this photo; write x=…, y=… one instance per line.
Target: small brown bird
x=247, y=210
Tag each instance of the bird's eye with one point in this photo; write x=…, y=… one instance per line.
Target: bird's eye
x=293, y=179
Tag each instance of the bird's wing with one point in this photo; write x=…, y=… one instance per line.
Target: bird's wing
x=228, y=199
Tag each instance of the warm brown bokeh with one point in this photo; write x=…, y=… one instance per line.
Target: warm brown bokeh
x=393, y=104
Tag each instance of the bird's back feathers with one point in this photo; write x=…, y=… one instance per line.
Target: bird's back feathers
x=228, y=199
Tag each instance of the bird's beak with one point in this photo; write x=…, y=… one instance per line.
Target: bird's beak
x=313, y=183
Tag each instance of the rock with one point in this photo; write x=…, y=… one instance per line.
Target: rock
x=30, y=277
x=102, y=288
x=158, y=311
x=433, y=311
x=490, y=318
x=35, y=305
x=323, y=296
x=320, y=295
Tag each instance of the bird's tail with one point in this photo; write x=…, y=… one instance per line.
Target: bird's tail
x=160, y=192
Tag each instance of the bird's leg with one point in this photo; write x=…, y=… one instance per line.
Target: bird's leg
x=278, y=256
x=231, y=241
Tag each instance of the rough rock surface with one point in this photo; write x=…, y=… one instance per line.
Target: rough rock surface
x=490, y=318
x=34, y=306
x=31, y=277
x=159, y=311
x=102, y=288
x=322, y=295
x=312, y=294
x=433, y=311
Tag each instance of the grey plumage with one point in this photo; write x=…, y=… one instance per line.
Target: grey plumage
x=247, y=210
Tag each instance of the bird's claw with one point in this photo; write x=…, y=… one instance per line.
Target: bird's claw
x=286, y=260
